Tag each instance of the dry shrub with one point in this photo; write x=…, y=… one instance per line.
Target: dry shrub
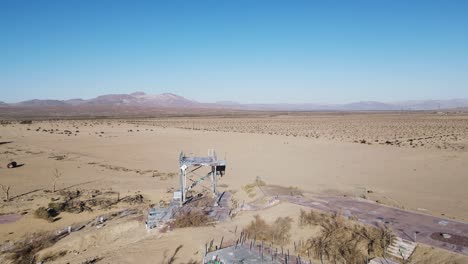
x=277, y=233
x=295, y=191
x=80, y=206
x=342, y=240
x=46, y=213
x=57, y=206
x=172, y=258
x=191, y=218
x=250, y=188
x=51, y=256
x=135, y=199
x=69, y=195
x=73, y=204
x=25, y=250
x=377, y=238
x=171, y=175
x=202, y=202
x=92, y=260
x=311, y=218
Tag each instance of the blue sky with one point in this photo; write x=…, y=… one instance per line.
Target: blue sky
x=325, y=51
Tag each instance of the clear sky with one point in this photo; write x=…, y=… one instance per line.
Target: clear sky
x=325, y=51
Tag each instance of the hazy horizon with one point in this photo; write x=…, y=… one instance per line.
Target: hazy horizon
x=249, y=52
x=240, y=102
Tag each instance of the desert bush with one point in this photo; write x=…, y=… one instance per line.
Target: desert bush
x=377, y=238
x=258, y=228
x=92, y=260
x=191, y=218
x=280, y=230
x=72, y=206
x=51, y=256
x=55, y=177
x=25, y=250
x=171, y=175
x=46, y=213
x=202, y=202
x=135, y=199
x=277, y=233
x=6, y=191
x=57, y=206
x=250, y=188
x=311, y=218
x=342, y=240
x=295, y=191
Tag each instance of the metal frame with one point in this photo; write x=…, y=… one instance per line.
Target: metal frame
x=218, y=167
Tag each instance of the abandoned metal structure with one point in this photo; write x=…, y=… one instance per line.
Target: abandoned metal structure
x=158, y=217
x=218, y=168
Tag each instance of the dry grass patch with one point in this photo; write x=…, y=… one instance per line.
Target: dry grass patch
x=342, y=240
x=48, y=214
x=191, y=218
x=250, y=188
x=294, y=191
x=277, y=232
x=25, y=251
x=52, y=256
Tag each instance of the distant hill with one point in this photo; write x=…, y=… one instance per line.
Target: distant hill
x=139, y=99
x=364, y=106
x=433, y=104
x=369, y=106
x=37, y=102
x=76, y=101
x=141, y=103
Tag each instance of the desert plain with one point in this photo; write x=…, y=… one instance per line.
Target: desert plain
x=417, y=161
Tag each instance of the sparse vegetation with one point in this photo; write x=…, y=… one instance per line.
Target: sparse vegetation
x=341, y=240
x=191, y=218
x=55, y=177
x=46, y=213
x=295, y=191
x=52, y=256
x=172, y=258
x=311, y=218
x=92, y=260
x=25, y=250
x=250, y=188
x=6, y=192
x=277, y=232
x=76, y=202
x=413, y=131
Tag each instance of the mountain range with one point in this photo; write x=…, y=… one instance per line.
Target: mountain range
x=142, y=100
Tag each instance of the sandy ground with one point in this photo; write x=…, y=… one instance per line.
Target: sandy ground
x=106, y=155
